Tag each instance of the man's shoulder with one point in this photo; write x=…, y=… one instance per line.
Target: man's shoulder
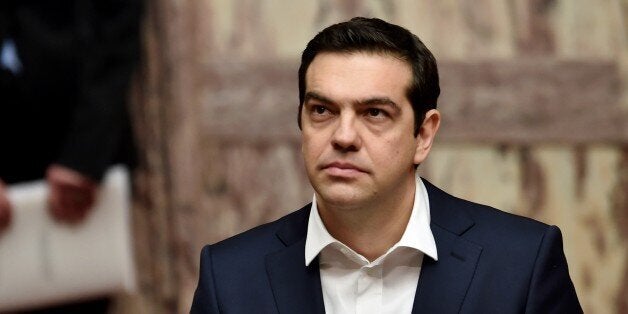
x=235, y=269
x=267, y=237
x=483, y=223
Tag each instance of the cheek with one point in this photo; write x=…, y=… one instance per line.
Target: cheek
x=310, y=148
x=399, y=149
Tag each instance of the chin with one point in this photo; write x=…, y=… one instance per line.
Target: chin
x=342, y=196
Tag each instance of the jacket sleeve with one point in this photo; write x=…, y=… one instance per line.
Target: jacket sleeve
x=205, y=295
x=551, y=289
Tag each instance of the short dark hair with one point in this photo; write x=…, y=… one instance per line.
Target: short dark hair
x=374, y=35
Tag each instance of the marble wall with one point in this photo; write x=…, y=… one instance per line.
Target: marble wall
x=535, y=122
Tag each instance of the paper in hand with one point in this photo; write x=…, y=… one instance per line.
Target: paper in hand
x=44, y=262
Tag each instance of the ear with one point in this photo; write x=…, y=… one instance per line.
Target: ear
x=426, y=135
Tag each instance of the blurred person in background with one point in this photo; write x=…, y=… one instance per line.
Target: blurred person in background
x=65, y=68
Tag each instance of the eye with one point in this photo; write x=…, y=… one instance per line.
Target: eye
x=319, y=109
x=374, y=112
x=319, y=112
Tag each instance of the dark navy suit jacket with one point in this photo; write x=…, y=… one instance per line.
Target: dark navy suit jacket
x=489, y=261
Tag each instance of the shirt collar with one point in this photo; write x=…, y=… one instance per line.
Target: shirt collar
x=417, y=235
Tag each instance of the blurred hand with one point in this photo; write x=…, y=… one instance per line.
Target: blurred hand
x=5, y=208
x=71, y=194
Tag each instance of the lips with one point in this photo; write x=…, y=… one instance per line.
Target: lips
x=343, y=169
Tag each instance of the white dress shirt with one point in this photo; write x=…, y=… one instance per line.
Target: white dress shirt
x=352, y=284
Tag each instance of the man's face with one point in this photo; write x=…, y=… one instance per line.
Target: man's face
x=357, y=129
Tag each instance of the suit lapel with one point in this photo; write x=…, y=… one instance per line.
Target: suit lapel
x=443, y=284
x=297, y=288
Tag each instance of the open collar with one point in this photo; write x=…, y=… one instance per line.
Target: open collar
x=417, y=234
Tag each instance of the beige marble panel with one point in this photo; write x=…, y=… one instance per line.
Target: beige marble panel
x=249, y=184
x=456, y=30
x=579, y=201
x=253, y=30
x=585, y=29
x=600, y=247
x=484, y=174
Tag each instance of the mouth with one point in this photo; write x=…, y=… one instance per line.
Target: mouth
x=343, y=169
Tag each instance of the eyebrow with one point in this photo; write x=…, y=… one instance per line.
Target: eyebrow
x=379, y=101
x=363, y=102
x=315, y=96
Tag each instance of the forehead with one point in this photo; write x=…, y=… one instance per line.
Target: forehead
x=358, y=74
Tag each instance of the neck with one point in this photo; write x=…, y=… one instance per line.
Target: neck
x=370, y=229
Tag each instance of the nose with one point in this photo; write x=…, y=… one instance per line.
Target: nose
x=346, y=137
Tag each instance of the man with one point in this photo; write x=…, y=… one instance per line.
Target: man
x=376, y=238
